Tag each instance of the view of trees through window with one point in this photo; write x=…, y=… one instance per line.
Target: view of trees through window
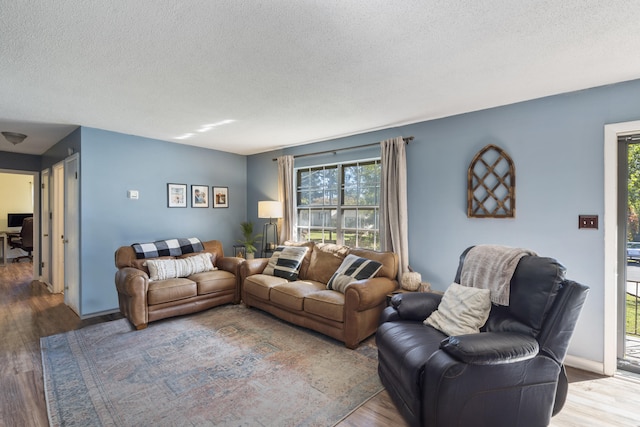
x=339, y=204
x=633, y=188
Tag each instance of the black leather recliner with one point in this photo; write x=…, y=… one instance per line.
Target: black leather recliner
x=510, y=374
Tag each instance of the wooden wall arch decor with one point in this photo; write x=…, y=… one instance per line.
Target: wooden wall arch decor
x=491, y=184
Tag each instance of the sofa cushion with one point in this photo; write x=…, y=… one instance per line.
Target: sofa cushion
x=325, y=303
x=292, y=294
x=170, y=290
x=161, y=269
x=389, y=261
x=325, y=260
x=259, y=285
x=285, y=262
x=212, y=256
x=214, y=281
x=304, y=267
x=352, y=268
x=463, y=310
x=141, y=264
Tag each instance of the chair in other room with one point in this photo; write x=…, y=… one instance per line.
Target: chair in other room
x=509, y=373
x=25, y=240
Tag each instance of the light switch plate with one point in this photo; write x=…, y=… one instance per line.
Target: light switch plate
x=132, y=194
x=588, y=221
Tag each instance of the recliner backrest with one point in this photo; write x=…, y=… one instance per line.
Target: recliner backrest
x=533, y=290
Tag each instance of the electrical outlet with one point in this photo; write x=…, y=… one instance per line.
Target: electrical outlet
x=588, y=221
x=133, y=194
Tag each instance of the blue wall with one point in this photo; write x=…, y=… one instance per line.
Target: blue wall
x=112, y=163
x=556, y=144
x=19, y=162
x=69, y=144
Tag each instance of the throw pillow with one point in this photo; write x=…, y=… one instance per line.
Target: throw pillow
x=285, y=262
x=463, y=310
x=161, y=269
x=352, y=268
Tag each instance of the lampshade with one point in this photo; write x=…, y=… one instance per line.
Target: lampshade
x=269, y=209
x=14, y=137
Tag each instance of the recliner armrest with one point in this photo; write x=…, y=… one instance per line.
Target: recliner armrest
x=491, y=348
x=415, y=305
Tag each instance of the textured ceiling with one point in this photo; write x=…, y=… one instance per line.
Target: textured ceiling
x=293, y=72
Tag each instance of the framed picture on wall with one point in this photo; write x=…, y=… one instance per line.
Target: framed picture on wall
x=220, y=197
x=199, y=196
x=177, y=195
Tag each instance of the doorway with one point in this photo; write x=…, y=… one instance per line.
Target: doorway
x=34, y=196
x=45, y=229
x=628, y=352
x=71, y=235
x=615, y=242
x=57, y=228
x=65, y=213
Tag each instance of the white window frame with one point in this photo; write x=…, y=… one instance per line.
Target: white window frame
x=304, y=229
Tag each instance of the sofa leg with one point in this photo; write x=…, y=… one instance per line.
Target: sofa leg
x=141, y=326
x=351, y=346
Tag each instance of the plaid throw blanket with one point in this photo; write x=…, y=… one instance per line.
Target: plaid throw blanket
x=169, y=247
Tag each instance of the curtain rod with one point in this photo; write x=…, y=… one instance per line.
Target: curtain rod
x=406, y=140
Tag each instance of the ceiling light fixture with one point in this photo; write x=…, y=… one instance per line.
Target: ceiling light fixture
x=14, y=137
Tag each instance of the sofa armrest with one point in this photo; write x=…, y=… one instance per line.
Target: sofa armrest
x=132, y=282
x=364, y=294
x=491, y=348
x=132, y=285
x=415, y=305
x=230, y=264
x=252, y=266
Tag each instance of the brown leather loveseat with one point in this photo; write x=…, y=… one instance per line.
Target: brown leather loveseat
x=143, y=300
x=349, y=314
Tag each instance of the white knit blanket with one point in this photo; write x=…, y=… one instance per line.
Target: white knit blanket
x=492, y=267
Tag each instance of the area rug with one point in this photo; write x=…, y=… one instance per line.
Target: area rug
x=227, y=366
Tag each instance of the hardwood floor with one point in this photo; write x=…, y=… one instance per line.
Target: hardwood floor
x=28, y=311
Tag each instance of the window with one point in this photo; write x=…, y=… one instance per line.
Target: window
x=339, y=204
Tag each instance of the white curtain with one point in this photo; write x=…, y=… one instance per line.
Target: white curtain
x=286, y=194
x=394, y=234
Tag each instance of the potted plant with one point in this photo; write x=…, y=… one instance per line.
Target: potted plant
x=248, y=239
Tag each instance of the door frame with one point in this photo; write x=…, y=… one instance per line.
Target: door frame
x=45, y=228
x=613, y=246
x=71, y=247
x=57, y=227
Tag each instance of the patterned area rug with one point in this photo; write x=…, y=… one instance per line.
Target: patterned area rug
x=227, y=366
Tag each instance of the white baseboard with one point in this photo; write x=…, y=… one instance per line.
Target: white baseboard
x=586, y=365
x=100, y=313
x=47, y=284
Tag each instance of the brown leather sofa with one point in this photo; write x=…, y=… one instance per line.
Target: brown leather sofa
x=143, y=300
x=349, y=317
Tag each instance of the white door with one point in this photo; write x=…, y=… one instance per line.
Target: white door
x=45, y=230
x=57, y=229
x=72, y=232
